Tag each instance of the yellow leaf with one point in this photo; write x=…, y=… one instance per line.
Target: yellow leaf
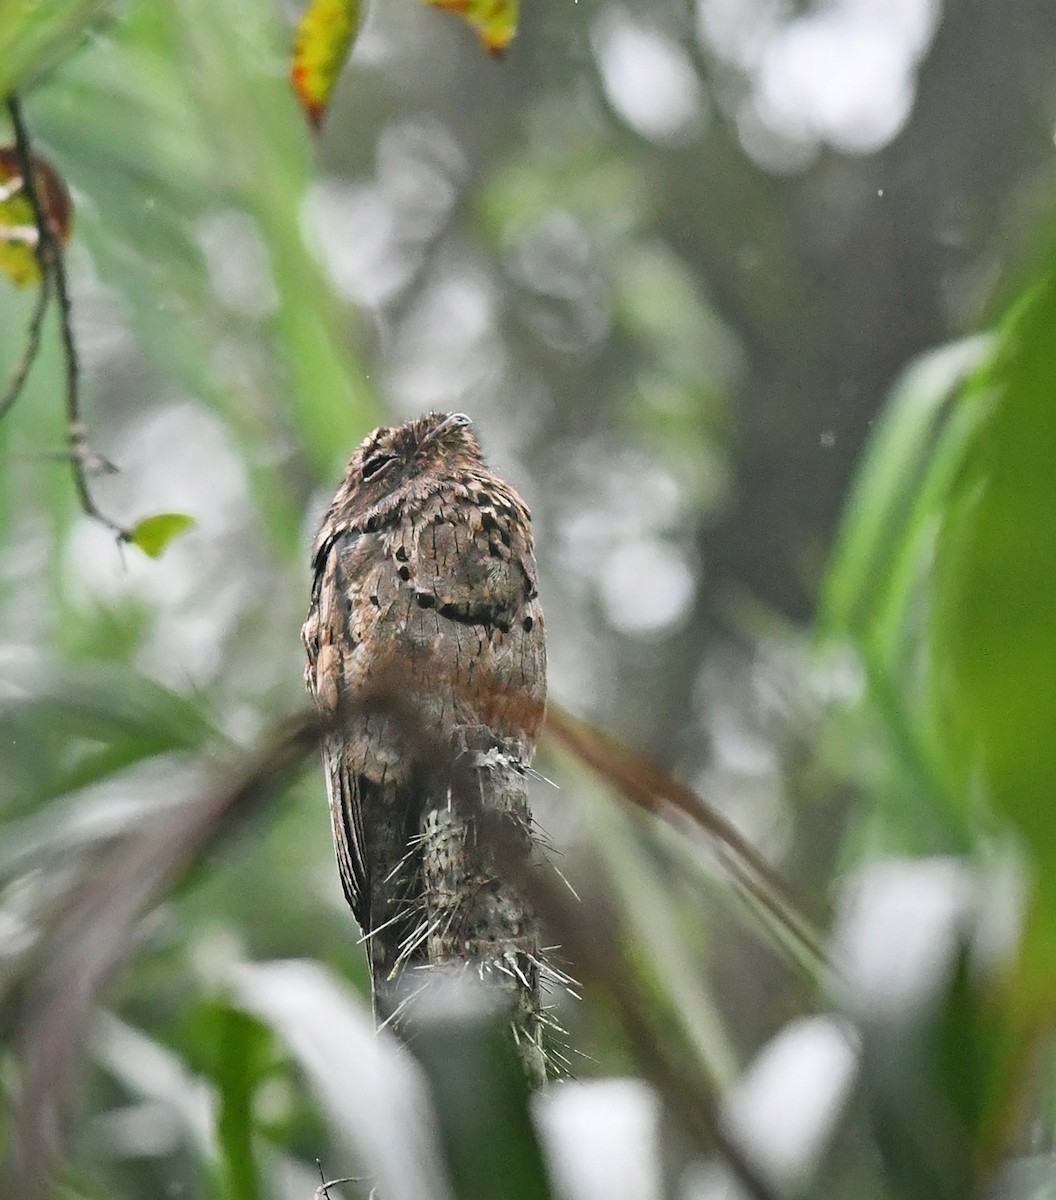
x=18, y=237
x=324, y=39
x=495, y=21
x=153, y=534
x=18, y=233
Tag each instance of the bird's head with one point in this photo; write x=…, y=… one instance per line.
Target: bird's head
x=399, y=463
x=389, y=456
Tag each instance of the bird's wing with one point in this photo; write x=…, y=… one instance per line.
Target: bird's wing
x=338, y=624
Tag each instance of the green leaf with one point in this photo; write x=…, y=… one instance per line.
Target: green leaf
x=882, y=523
x=243, y=1053
x=876, y=593
x=480, y=1093
x=993, y=630
x=67, y=729
x=153, y=534
x=34, y=38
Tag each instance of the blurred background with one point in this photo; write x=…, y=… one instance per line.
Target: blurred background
x=672, y=257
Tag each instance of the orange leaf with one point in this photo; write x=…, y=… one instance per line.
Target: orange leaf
x=324, y=39
x=18, y=233
x=495, y=21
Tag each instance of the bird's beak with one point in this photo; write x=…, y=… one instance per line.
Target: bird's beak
x=452, y=421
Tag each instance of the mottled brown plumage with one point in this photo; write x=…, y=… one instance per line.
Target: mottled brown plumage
x=425, y=618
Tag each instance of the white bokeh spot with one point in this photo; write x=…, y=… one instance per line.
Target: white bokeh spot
x=842, y=75
x=648, y=77
x=646, y=586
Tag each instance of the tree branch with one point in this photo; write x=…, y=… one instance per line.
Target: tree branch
x=32, y=347
x=53, y=267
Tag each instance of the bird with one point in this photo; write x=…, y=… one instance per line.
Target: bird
x=425, y=643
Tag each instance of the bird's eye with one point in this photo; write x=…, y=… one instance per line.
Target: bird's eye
x=375, y=462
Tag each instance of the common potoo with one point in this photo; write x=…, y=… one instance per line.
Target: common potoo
x=425, y=624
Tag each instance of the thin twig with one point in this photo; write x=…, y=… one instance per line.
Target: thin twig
x=94, y=464
x=32, y=347
x=50, y=258
x=323, y=1191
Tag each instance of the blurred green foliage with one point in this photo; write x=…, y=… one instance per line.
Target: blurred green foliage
x=841, y=632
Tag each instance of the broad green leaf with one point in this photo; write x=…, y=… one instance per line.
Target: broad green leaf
x=36, y=35
x=993, y=633
x=480, y=1093
x=153, y=534
x=883, y=512
x=878, y=584
x=243, y=1053
x=493, y=21
x=992, y=651
x=323, y=42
